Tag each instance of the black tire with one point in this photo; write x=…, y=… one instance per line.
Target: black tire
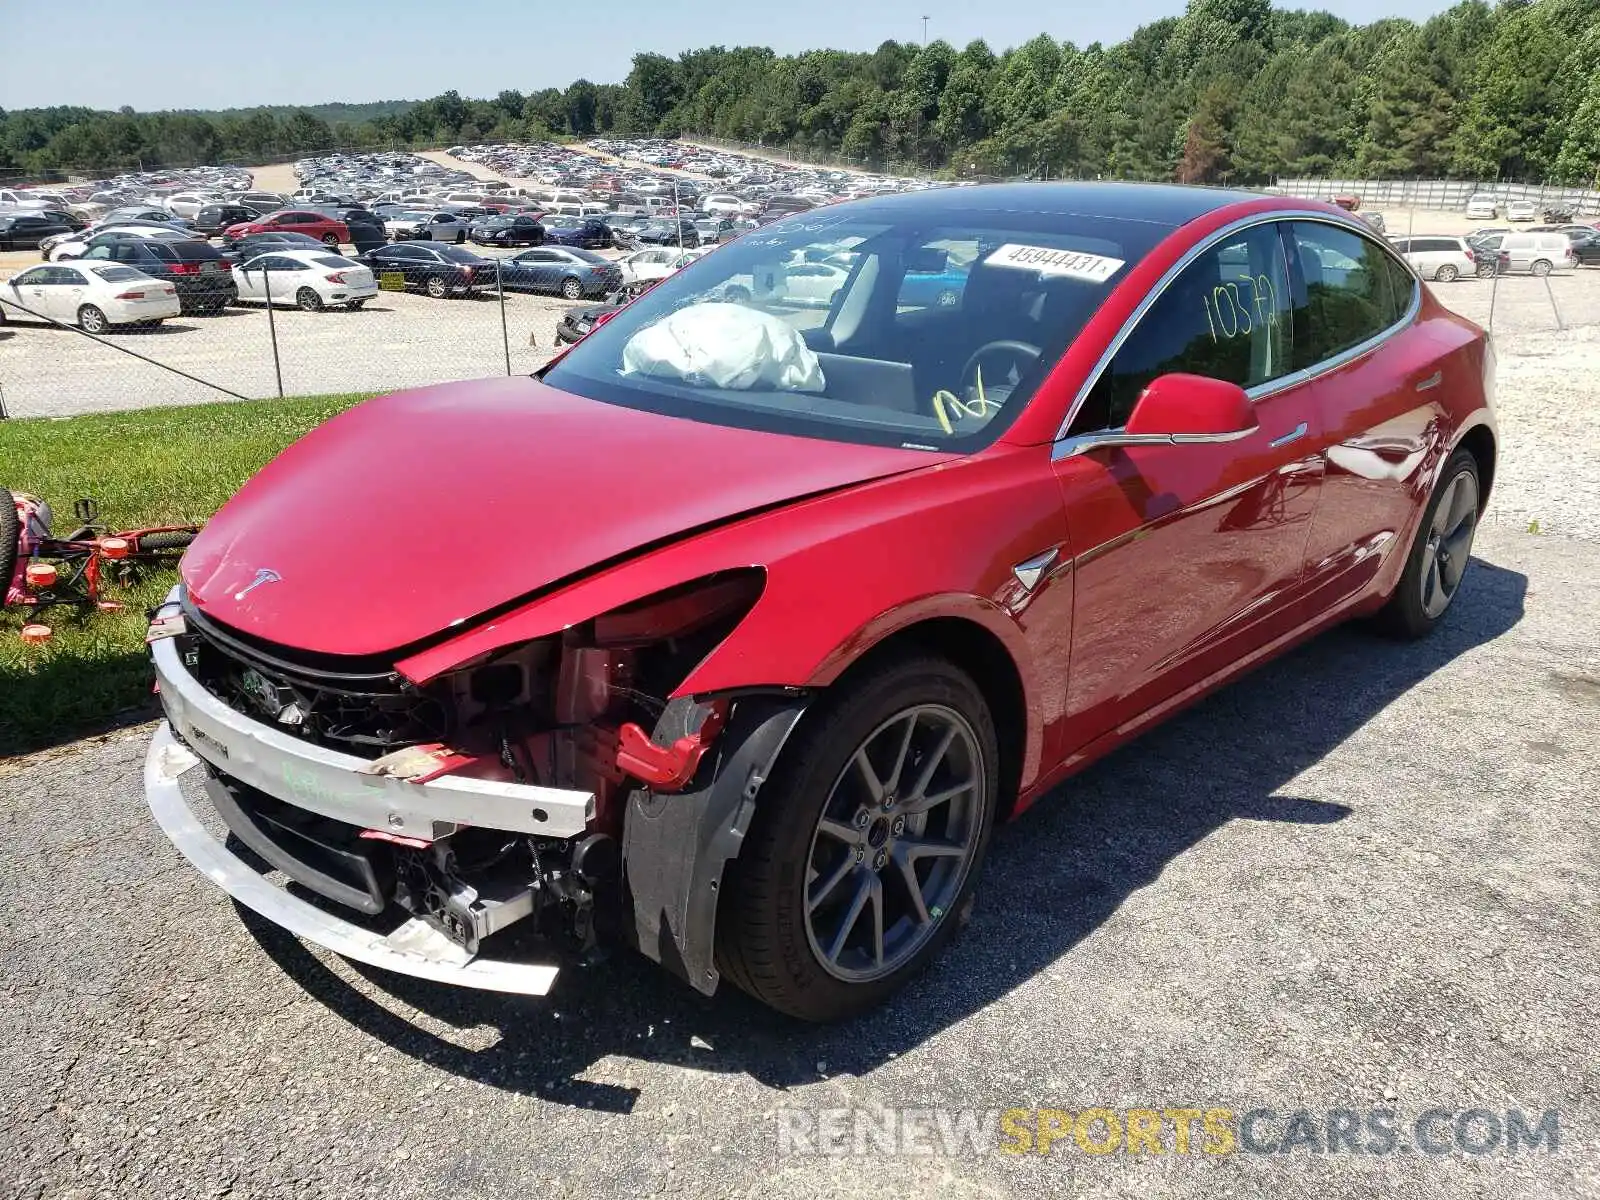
x=736, y=293
x=92, y=320
x=460, y=237
x=764, y=934
x=1541, y=268
x=355, y=305
x=307, y=300
x=436, y=287
x=330, y=240
x=10, y=536
x=1407, y=614
x=572, y=288
x=1447, y=274
x=175, y=539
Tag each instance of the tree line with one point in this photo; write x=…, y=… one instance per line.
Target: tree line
x=1232, y=91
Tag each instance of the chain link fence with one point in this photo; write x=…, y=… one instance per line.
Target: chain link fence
x=401, y=337
x=1443, y=195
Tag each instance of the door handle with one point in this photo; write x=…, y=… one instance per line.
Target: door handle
x=1294, y=435
x=1431, y=382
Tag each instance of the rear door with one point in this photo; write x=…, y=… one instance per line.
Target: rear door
x=70, y=290
x=1377, y=381
x=1187, y=556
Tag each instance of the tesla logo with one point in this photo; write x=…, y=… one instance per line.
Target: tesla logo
x=264, y=575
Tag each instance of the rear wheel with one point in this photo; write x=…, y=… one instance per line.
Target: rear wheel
x=1439, y=553
x=1446, y=274
x=864, y=849
x=460, y=237
x=1541, y=267
x=308, y=300
x=330, y=240
x=572, y=289
x=437, y=287
x=355, y=305
x=92, y=320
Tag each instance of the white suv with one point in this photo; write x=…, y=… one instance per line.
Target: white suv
x=1444, y=259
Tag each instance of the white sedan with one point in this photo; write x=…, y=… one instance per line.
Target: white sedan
x=308, y=279
x=92, y=296
x=810, y=284
x=76, y=245
x=648, y=266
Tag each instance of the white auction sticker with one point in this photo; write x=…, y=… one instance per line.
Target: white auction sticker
x=1047, y=260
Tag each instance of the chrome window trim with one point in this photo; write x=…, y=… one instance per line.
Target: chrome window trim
x=1272, y=386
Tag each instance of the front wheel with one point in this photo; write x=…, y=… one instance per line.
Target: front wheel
x=1439, y=553
x=572, y=289
x=92, y=320
x=864, y=849
x=308, y=300
x=1446, y=274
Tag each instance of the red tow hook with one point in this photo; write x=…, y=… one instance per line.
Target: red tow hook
x=667, y=768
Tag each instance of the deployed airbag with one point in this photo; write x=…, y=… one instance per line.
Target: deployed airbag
x=724, y=346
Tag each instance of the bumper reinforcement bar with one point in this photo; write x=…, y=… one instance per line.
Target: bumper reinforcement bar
x=415, y=949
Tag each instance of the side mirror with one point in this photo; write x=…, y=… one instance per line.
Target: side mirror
x=1176, y=410
x=1192, y=408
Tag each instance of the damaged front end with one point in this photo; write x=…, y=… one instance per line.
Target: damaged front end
x=556, y=787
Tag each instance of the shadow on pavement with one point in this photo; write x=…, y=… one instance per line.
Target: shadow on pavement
x=1067, y=864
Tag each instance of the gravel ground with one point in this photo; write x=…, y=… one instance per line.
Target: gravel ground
x=398, y=340
x=1365, y=876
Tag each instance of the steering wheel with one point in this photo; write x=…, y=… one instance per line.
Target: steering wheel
x=1022, y=355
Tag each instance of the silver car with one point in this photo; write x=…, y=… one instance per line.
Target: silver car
x=439, y=225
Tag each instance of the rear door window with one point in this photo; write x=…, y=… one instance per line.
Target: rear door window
x=1349, y=291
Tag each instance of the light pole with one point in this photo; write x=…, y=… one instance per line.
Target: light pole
x=924, y=31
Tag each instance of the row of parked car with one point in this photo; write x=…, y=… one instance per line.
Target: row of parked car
x=1484, y=253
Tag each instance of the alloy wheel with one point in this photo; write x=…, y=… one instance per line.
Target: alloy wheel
x=1449, y=545
x=894, y=843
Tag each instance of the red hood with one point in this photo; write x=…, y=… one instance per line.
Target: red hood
x=420, y=510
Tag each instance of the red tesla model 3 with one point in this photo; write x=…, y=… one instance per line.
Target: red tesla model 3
x=730, y=634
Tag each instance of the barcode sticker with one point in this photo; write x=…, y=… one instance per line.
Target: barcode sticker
x=1047, y=260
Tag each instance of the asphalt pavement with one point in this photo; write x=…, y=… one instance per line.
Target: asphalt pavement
x=1364, y=878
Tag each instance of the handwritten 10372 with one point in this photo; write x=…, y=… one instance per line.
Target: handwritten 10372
x=1230, y=316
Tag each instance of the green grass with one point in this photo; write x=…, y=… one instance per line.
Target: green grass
x=151, y=467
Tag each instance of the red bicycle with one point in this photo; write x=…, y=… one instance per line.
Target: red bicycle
x=41, y=571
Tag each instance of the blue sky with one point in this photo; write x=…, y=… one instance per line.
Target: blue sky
x=310, y=51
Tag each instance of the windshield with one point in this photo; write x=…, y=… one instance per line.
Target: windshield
x=829, y=324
